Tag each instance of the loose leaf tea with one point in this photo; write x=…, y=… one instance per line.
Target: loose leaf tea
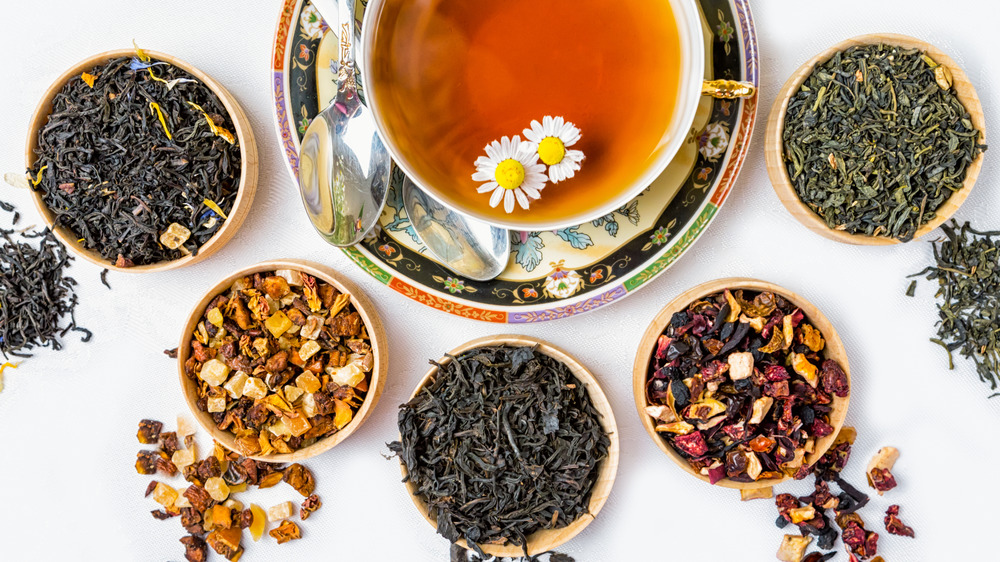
x=739, y=387
x=129, y=154
x=876, y=140
x=967, y=270
x=281, y=360
x=37, y=299
x=505, y=441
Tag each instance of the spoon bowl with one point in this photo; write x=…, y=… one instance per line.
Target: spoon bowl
x=344, y=168
x=467, y=246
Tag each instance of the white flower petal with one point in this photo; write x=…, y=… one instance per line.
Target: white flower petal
x=482, y=176
x=575, y=156
x=487, y=187
x=497, y=196
x=508, y=201
x=521, y=199
x=531, y=191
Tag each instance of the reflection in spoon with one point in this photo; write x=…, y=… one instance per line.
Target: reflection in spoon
x=470, y=248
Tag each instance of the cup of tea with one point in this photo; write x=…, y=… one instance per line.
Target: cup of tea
x=533, y=115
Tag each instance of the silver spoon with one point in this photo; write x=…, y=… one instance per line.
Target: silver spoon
x=344, y=167
x=470, y=248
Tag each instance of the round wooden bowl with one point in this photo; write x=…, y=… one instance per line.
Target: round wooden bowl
x=546, y=539
x=774, y=149
x=361, y=304
x=248, y=164
x=834, y=350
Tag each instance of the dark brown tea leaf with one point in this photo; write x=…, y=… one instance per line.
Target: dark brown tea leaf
x=504, y=442
x=121, y=161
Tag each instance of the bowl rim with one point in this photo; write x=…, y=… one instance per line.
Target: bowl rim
x=248, y=163
x=546, y=539
x=364, y=307
x=689, y=25
x=834, y=349
x=774, y=149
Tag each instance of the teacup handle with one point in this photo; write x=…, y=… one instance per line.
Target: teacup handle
x=727, y=89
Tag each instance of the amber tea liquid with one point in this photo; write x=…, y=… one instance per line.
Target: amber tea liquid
x=450, y=76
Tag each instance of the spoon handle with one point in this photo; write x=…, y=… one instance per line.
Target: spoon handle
x=345, y=33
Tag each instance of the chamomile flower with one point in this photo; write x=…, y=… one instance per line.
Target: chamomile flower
x=551, y=140
x=511, y=172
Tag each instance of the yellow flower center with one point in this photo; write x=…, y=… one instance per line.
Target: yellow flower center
x=510, y=174
x=551, y=150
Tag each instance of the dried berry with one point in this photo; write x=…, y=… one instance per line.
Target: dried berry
x=893, y=524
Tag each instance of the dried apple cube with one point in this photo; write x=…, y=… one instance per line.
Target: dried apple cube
x=182, y=501
x=217, y=488
x=348, y=375
x=793, y=547
x=308, y=349
x=293, y=393
x=280, y=511
x=309, y=404
x=308, y=382
x=805, y=369
x=298, y=425
x=314, y=324
x=184, y=427
x=234, y=386
x=175, y=236
x=183, y=457
x=740, y=365
x=216, y=404
x=756, y=494
x=293, y=277
x=164, y=495
x=214, y=372
x=255, y=388
x=278, y=323
x=259, y=524
x=222, y=516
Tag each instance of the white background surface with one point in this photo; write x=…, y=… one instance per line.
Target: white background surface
x=68, y=489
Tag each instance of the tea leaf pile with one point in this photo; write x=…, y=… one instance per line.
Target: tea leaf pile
x=874, y=144
x=503, y=443
x=37, y=299
x=111, y=175
x=968, y=275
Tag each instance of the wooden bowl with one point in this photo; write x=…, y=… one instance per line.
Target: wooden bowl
x=248, y=164
x=361, y=304
x=774, y=149
x=834, y=350
x=546, y=539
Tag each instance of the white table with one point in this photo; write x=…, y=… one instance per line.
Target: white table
x=68, y=489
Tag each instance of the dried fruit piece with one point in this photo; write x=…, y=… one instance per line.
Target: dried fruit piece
x=793, y=548
x=217, y=488
x=281, y=511
x=309, y=505
x=149, y=431
x=164, y=495
x=892, y=523
x=285, y=532
x=259, y=524
x=195, y=549
x=226, y=542
x=175, y=236
x=879, y=470
x=214, y=372
x=805, y=369
x=756, y=493
x=300, y=478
